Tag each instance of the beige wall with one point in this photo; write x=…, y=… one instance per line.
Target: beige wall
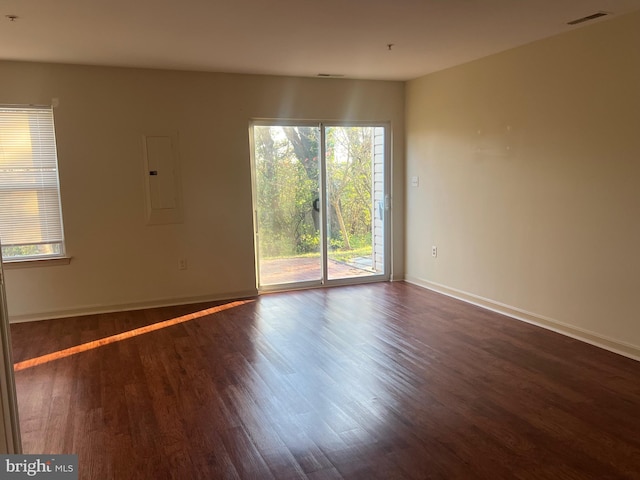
x=529, y=167
x=119, y=261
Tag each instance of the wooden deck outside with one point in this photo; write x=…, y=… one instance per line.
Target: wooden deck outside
x=305, y=269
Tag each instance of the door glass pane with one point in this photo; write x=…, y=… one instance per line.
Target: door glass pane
x=355, y=201
x=287, y=187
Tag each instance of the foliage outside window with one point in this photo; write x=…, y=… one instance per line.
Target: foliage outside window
x=30, y=210
x=287, y=182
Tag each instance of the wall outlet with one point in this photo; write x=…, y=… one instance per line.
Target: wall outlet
x=434, y=251
x=182, y=264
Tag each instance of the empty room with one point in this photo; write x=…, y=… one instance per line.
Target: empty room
x=347, y=240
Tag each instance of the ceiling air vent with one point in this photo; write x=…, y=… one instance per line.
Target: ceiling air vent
x=593, y=16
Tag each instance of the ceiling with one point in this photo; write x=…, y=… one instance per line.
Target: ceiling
x=286, y=37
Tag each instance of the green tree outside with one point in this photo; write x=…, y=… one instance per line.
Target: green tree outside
x=287, y=172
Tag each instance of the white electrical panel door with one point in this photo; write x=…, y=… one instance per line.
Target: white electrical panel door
x=162, y=179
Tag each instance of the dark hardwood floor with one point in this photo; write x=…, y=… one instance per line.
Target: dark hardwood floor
x=377, y=381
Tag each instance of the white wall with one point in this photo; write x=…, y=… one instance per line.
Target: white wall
x=119, y=261
x=529, y=166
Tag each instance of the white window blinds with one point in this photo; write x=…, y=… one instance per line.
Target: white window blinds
x=30, y=212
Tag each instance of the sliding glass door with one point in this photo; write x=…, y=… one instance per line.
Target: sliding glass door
x=287, y=203
x=320, y=204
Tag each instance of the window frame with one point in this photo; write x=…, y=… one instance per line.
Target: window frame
x=45, y=162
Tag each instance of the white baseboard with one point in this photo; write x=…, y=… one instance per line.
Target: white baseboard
x=97, y=309
x=592, y=338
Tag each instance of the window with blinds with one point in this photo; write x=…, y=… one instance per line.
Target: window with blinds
x=30, y=211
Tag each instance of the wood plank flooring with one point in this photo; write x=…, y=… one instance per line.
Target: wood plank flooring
x=377, y=381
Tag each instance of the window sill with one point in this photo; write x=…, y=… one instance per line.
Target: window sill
x=36, y=262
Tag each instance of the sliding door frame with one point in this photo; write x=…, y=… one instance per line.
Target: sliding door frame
x=387, y=223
